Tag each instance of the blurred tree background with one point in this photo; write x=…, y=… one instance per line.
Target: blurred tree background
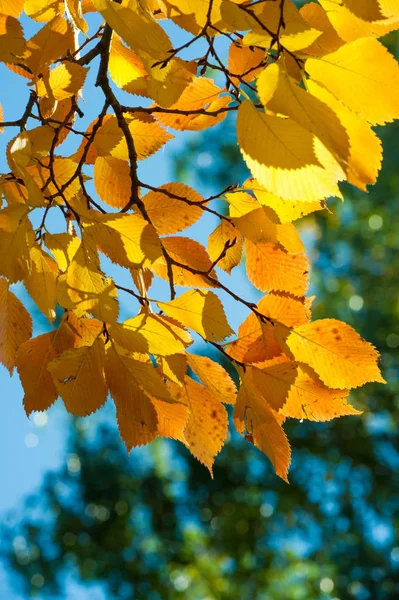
x=156, y=527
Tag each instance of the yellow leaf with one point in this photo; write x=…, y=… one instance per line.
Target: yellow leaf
x=364, y=76
x=148, y=334
x=271, y=268
x=241, y=203
x=309, y=399
x=127, y=240
x=172, y=419
x=139, y=31
x=351, y=26
x=16, y=237
x=284, y=157
x=388, y=8
x=126, y=69
x=339, y=356
x=15, y=325
x=207, y=426
x=78, y=375
x=50, y=43
x=112, y=180
x=244, y=62
x=62, y=82
x=200, y=94
x=13, y=8
x=285, y=210
x=295, y=33
x=12, y=42
x=191, y=15
x=75, y=11
x=173, y=367
x=365, y=155
x=34, y=355
x=87, y=288
x=172, y=207
x=43, y=10
x=215, y=378
x=148, y=135
x=281, y=94
x=262, y=226
x=41, y=281
x=140, y=418
x=201, y=311
x=135, y=413
x=329, y=41
x=32, y=359
x=256, y=340
x=225, y=233
x=64, y=170
x=190, y=253
x=166, y=84
x=144, y=374
x=63, y=247
x=254, y=419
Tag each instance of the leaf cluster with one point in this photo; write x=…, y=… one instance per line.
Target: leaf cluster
x=307, y=86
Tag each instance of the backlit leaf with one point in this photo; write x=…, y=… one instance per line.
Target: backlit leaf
x=15, y=325
x=254, y=417
x=78, y=375
x=201, y=311
x=339, y=356
x=206, y=428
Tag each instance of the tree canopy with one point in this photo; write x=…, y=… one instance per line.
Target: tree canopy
x=305, y=87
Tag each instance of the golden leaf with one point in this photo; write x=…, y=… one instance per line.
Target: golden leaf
x=62, y=82
x=41, y=281
x=87, y=288
x=188, y=253
x=284, y=157
x=201, y=311
x=215, y=378
x=149, y=334
x=144, y=374
x=127, y=240
x=256, y=340
x=170, y=214
x=139, y=31
x=351, y=26
x=78, y=375
x=339, y=356
x=13, y=8
x=112, y=180
x=12, y=42
x=16, y=237
x=140, y=418
x=254, y=418
x=43, y=10
x=50, y=43
x=225, y=235
x=207, y=426
x=15, y=325
x=364, y=76
x=270, y=268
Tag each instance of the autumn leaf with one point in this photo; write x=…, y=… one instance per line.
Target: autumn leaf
x=215, y=378
x=201, y=311
x=206, y=428
x=86, y=227
x=79, y=378
x=338, y=354
x=254, y=418
x=15, y=325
